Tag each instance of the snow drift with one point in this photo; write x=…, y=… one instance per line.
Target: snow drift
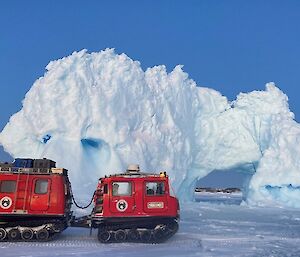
x=94, y=113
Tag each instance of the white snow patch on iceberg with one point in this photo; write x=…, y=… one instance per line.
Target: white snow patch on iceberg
x=94, y=113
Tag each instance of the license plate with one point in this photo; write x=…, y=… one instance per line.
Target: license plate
x=155, y=205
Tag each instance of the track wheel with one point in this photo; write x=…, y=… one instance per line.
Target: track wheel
x=42, y=234
x=158, y=234
x=173, y=227
x=13, y=234
x=133, y=235
x=104, y=235
x=58, y=227
x=146, y=235
x=27, y=234
x=3, y=234
x=120, y=235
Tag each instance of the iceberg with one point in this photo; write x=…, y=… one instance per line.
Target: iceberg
x=94, y=113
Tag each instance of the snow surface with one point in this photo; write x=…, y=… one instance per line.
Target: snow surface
x=94, y=113
x=206, y=229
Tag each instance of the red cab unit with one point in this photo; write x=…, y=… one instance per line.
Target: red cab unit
x=135, y=206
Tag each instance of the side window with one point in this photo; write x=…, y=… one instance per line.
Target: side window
x=8, y=186
x=121, y=188
x=41, y=186
x=155, y=188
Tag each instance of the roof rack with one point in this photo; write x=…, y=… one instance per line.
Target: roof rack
x=33, y=170
x=135, y=174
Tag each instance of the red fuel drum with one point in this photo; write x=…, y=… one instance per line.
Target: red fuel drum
x=135, y=206
x=36, y=202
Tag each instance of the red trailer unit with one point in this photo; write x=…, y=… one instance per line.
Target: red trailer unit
x=34, y=203
x=135, y=206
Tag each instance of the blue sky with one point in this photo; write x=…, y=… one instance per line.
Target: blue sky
x=231, y=46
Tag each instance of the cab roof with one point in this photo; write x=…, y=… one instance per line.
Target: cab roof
x=137, y=175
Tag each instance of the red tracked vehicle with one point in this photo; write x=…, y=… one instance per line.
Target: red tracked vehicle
x=35, y=200
x=135, y=206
